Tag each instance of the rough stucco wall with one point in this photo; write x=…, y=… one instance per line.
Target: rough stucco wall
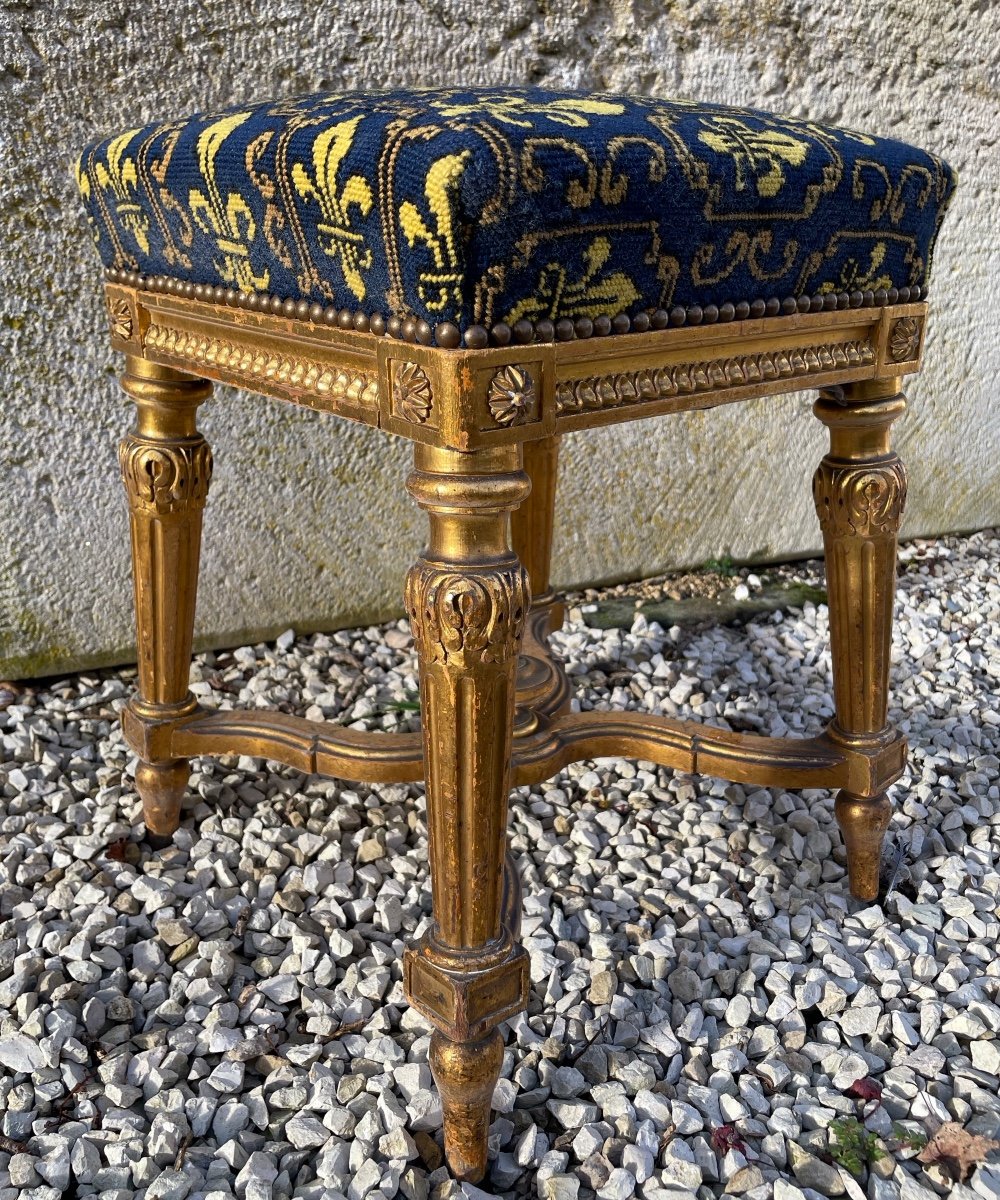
x=308, y=522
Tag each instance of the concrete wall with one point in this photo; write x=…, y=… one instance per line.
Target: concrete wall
x=308, y=523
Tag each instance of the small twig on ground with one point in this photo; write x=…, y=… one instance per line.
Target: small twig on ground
x=590, y=1042
x=182, y=1152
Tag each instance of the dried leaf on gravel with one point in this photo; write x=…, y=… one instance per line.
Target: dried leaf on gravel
x=957, y=1149
x=867, y=1090
x=726, y=1138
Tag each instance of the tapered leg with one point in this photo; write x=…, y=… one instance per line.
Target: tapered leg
x=542, y=685
x=166, y=466
x=467, y=599
x=860, y=490
x=532, y=525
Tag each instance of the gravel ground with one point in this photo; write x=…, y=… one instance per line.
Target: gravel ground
x=711, y=1014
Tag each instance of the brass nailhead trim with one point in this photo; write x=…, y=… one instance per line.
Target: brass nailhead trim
x=523, y=332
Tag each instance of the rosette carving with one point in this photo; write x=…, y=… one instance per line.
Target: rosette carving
x=511, y=397
x=411, y=392
x=464, y=619
x=120, y=318
x=162, y=478
x=904, y=339
x=865, y=500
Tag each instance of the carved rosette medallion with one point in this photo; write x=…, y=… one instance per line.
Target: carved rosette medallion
x=861, y=501
x=411, y=393
x=463, y=619
x=904, y=339
x=120, y=318
x=164, y=478
x=511, y=397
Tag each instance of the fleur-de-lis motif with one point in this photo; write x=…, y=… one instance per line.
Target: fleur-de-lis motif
x=230, y=220
x=337, y=239
x=511, y=397
x=572, y=111
x=119, y=177
x=558, y=293
x=758, y=155
x=442, y=284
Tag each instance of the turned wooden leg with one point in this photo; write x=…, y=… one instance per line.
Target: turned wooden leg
x=467, y=600
x=532, y=524
x=166, y=466
x=542, y=684
x=860, y=490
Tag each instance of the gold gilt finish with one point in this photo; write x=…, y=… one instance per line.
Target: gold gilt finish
x=860, y=490
x=467, y=599
x=166, y=466
x=495, y=703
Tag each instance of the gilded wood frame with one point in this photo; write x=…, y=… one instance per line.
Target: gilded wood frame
x=486, y=425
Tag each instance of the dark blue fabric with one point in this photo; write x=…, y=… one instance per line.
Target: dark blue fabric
x=485, y=205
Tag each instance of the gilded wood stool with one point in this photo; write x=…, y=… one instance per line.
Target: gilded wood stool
x=480, y=271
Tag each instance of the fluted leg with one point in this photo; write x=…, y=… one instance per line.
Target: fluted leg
x=467, y=599
x=166, y=466
x=860, y=490
x=542, y=685
x=532, y=524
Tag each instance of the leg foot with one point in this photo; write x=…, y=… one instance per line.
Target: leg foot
x=863, y=824
x=466, y=1074
x=162, y=787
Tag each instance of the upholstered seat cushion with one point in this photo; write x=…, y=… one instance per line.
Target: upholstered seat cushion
x=492, y=208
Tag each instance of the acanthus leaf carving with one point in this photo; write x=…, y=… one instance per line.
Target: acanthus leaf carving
x=862, y=500
x=165, y=477
x=463, y=619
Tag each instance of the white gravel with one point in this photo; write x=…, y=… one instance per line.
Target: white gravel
x=225, y=1019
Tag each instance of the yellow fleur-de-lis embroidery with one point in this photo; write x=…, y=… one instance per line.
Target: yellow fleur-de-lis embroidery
x=118, y=177
x=857, y=275
x=336, y=237
x=517, y=110
x=589, y=295
x=442, y=284
x=230, y=220
x=758, y=154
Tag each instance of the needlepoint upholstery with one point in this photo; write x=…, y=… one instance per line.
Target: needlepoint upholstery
x=478, y=206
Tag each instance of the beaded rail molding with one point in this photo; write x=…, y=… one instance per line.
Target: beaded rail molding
x=524, y=332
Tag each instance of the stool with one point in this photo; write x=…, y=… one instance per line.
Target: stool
x=481, y=270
